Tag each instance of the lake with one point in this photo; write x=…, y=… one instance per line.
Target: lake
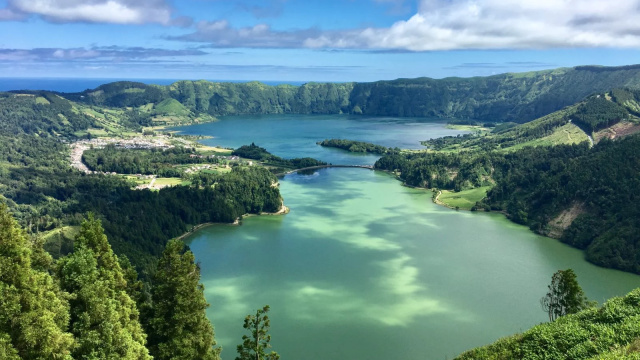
x=364, y=268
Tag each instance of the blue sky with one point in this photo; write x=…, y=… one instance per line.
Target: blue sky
x=309, y=40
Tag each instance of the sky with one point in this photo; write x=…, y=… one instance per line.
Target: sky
x=309, y=40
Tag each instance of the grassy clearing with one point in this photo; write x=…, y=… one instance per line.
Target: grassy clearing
x=68, y=232
x=168, y=181
x=218, y=170
x=98, y=132
x=171, y=107
x=472, y=128
x=93, y=113
x=465, y=199
x=217, y=150
x=42, y=101
x=567, y=134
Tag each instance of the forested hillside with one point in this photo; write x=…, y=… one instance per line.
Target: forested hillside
x=45, y=193
x=518, y=97
x=583, y=195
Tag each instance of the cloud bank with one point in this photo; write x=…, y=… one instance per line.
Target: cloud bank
x=93, y=11
x=457, y=24
x=112, y=53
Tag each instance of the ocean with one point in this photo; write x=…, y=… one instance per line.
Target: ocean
x=80, y=84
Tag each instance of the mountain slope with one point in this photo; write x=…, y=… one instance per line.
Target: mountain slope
x=518, y=97
x=584, y=196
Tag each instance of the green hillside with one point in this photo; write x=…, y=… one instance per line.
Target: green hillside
x=609, y=332
x=518, y=97
x=546, y=174
x=170, y=107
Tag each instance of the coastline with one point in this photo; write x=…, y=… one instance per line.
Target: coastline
x=283, y=211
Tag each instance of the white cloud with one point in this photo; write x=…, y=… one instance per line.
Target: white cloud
x=11, y=15
x=95, y=11
x=222, y=34
x=457, y=24
x=500, y=24
x=107, y=53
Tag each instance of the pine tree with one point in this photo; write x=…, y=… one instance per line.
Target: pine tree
x=104, y=319
x=34, y=313
x=253, y=347
x=179, y=328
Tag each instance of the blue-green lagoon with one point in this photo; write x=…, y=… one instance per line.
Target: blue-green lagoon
x=364, y=268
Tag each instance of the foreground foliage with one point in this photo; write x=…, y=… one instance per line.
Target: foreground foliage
x=565, y=296
x=607, y=332
x=104, y=319
x=178, y=322
x=254, y=346
x=84, y=306
x=34, y=311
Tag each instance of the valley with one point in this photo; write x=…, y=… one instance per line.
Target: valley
x=545, y=157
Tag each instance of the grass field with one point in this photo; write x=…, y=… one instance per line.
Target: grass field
x=42, y=101
x=217, y=150
x=66, y=231
x=464, y=199
x=566, y=134
x=472, y=128
x=168, y=181
x=171, y=107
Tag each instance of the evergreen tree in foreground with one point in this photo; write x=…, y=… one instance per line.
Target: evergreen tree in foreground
x=34, y=313
x=104, y=319
x=253, y=347
x=179, y=328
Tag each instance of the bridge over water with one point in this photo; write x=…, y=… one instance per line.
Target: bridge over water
x=326, y=166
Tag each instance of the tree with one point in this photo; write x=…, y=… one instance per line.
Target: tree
x=179, y=328
x=34, y=313
x=104, y=318
x=565, y=296
x=253, y=347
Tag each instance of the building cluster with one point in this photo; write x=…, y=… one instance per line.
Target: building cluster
x=79, y=147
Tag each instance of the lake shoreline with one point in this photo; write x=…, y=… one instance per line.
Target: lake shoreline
x=283, y=211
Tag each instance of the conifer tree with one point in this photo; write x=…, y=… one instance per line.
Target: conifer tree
x=253, y=347
x=179, y=328
x=104, y=319
x=34, y=313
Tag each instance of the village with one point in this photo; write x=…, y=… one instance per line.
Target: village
x=149, y=142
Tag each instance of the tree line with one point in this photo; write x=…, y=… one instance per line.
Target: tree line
x=90, y=304
x=534, y=185
x=160, y=162
x=357, y=146
x=256, y=152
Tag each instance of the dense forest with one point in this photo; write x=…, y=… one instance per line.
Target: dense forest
x=45, y=193
x=357, y=146
x=155, y=161
x=517, y=97
x=89, y=304
x=256, y=152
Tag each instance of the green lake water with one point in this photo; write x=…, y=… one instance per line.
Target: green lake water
x=364, y=268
